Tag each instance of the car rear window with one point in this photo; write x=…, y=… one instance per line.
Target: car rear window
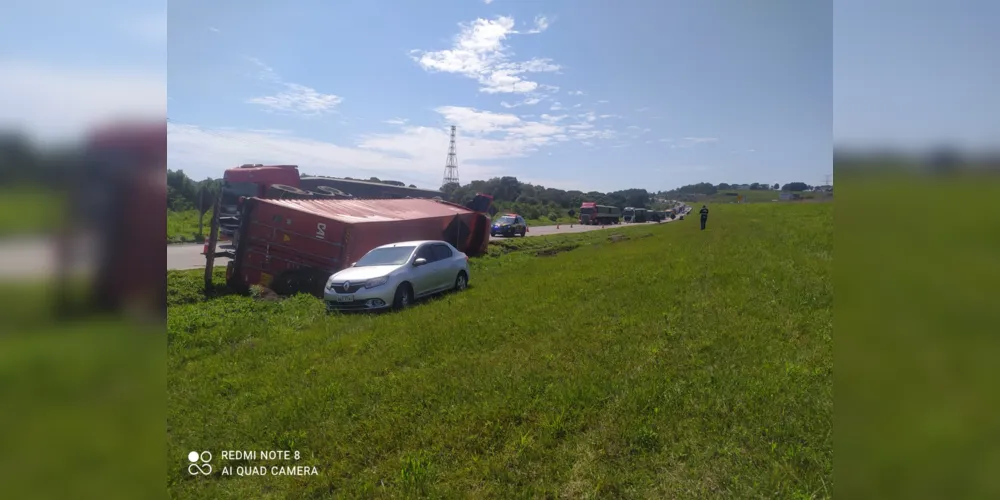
x=441, y=252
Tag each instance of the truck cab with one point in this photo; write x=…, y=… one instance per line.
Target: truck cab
x=247, y=181
x=628, y=214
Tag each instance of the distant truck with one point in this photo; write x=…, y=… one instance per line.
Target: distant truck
x=284, y=182
x=633, y=214
x=592, y=214
x=295, y=245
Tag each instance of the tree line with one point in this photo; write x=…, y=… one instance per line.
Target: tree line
x=706, y=188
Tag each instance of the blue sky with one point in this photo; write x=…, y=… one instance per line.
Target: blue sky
x=750, y=75
x=575, y=95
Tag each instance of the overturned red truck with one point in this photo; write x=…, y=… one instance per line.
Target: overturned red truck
x=295, y=245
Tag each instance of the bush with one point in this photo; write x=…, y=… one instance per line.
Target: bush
x=553, y=216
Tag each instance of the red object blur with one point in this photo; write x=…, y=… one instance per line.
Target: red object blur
x=115, y=193
x=284, y=242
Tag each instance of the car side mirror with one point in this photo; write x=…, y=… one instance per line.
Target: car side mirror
x=419, y=262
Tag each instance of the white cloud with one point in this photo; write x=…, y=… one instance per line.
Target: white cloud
x=577, y=106
x=479, y=52
x=397, y=121
x=476, y=121
x=689, y=142
x=415, y=154
x=602, y=101
x=632, y=127
x=642, y=109
x=487, y=2
x=294, y=98
x=214, y=29
x=541, y=24
x=556, y=106
x=55, y=103
x=531, y=101
x=700, y=140
x=298, y=99
x=610, y=116
x=577, y=92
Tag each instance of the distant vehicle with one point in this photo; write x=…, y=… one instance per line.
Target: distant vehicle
x=509, y=225
x=633, y=214
x=591, y=213
x=395, y=275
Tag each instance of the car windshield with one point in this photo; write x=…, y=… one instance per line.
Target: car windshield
x=506, y=220
x=389, y=256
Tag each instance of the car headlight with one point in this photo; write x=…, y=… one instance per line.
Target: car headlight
x=372, y=283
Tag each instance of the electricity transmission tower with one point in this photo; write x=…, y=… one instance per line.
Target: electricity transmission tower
x=451, y=165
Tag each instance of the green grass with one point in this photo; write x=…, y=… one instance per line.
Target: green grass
x=727, y=196
x=666, y=362
x=28, y=209
x=917, y=370
x=182, y=227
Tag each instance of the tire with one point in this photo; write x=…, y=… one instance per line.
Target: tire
x=331, y=191
x=403, y=297
x=461, y=281
x=284, y=192
x=524, y=232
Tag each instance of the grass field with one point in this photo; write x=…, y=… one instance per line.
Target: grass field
x=182, y=227
x=28, y=209
x=671, y=363
x=729, y=196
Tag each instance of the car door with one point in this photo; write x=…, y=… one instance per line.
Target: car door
x=423, y=277
x=522, y=224
x=444, y=270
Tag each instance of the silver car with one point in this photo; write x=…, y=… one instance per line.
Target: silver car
x=395, y=275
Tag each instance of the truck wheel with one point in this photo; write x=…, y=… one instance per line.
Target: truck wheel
x=403, y=297
x=282, y=191
x=332, y=191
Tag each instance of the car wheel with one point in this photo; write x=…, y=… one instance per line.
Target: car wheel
x=462, y=281
x=403, y=297
x=524, y=232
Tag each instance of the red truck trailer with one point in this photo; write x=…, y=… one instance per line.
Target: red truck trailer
x=295, y=245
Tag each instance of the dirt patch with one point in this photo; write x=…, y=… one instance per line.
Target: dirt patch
x=549, y=252
x=615, y=238
x=264, y=294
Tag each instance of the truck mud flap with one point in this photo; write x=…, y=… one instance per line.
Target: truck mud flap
x=480, y=235
x=457, y=233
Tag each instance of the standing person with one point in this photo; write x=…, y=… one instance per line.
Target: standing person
x=704, y=216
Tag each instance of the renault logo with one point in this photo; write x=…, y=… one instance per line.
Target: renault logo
x=347, y=285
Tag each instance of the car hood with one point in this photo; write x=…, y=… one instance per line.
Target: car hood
x=363, y=273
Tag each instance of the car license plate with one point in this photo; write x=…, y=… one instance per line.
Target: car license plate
x=345, y=298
